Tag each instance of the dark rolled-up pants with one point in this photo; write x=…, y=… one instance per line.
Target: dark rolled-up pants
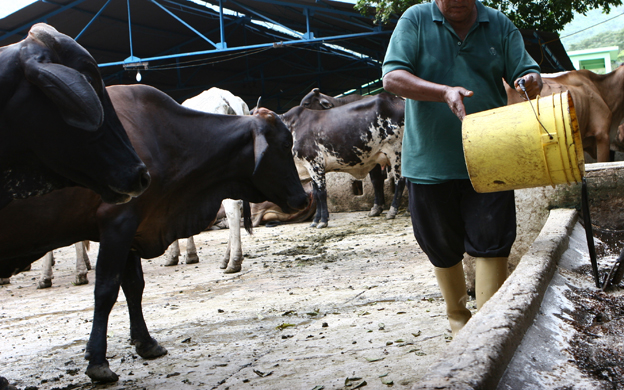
x=451, y=218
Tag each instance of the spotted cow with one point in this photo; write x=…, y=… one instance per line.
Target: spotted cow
x=315, y=100
x=351, y=138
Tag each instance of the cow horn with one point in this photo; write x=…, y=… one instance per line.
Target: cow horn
x=76, y=99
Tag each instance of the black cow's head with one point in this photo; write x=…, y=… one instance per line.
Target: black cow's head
x=275, y=174
x=315, y=100
x=58, y=126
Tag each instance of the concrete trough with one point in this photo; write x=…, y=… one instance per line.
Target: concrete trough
x=507, y=345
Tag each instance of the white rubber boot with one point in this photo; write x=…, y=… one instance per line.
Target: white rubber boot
x=490, y=274
x=452, y=284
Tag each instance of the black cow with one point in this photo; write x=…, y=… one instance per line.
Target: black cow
x=315, y=100
x=196, y=160
x=58, y=127
x=351, y=138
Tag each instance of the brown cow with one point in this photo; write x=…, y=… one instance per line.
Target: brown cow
x=598, y=101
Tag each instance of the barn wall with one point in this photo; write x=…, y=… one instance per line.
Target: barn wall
x=342, y=193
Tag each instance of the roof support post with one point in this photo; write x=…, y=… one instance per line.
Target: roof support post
x=132, y=58
x=222, y=44
x=308, y=12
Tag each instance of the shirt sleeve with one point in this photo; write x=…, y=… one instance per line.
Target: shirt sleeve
x=402, y=49
x=518, y=61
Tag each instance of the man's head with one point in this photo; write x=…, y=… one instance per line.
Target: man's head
x=457, y=11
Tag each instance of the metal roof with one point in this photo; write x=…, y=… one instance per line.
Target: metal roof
x=184, y=47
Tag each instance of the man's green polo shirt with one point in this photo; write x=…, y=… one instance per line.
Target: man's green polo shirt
x=424, y=44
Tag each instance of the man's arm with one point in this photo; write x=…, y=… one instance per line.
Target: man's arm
x=403, y=83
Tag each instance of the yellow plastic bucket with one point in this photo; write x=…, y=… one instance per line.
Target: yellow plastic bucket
x=509, y=148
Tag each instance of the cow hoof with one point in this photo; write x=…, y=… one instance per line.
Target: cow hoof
x=375, y=211
x=101, y=373
x=321, y=225
x=313, y=224
x=392, y=213
x=5, y=281
x=233, y=270
x=81, y=279
x=172, y=261
x=44, y=283
x=150, y=351
x=225, y=262
x=191, y=259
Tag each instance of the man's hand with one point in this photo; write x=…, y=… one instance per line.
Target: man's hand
x=454, y=97
x=532, y=84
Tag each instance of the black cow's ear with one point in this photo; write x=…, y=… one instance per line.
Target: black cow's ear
x=69, y=90
x=326, y=103
x=260, y=147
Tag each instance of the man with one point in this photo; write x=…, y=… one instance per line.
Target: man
x=448, y=59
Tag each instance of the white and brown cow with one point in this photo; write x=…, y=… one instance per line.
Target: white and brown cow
x=315, y=100
x=217, y=101
x=352, y=138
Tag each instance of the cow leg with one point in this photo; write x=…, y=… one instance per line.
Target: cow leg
x=377, y=179
x=321, y=217
x=191, y=251
x=172, y=256
x=47, y=273
x=396, y=200
x=234, y=260
x=133, y=285
x=86, y=244
x=115, y=243
x=82, y=259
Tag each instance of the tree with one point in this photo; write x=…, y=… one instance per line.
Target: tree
x=541, y=15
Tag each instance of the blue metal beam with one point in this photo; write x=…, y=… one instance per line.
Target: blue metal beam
x=184, y=23
x=92, y=19
x=264, y=45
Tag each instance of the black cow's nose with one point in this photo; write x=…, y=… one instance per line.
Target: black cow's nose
x=144, y=179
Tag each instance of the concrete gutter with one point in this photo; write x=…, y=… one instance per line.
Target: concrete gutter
x=481, y=351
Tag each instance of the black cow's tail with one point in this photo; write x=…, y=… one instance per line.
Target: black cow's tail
x=247, y=223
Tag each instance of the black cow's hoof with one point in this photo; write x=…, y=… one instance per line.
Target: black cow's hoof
x=313, y=224
x=392, y=213
x=321, y=225
x=150, y=350
x=101, y=373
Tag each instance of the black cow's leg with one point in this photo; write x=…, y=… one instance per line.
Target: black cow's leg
x=115, y=241
x=396, y=200
x=321, y=207
x=317, y=214
x=133, y=285
x=377, y=178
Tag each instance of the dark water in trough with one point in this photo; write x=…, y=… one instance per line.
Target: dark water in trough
x=598, y=318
